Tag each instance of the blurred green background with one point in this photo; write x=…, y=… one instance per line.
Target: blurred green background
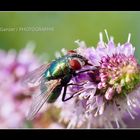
x=67, y=27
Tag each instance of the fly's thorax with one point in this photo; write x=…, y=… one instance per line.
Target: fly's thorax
x=58, y=68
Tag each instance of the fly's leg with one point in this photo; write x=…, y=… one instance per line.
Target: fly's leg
x=65, y=87
x=64, y=94
x=75, y=74
x=65, y=90
x=71, y=84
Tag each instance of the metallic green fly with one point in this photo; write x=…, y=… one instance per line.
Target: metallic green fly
x=52, y=77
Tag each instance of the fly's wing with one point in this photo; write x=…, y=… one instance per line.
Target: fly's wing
x=38, y=101
x=34, y=78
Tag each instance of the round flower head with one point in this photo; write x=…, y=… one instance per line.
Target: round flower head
x=109, y=90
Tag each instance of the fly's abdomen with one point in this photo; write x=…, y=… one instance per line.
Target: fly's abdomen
x=55, y=94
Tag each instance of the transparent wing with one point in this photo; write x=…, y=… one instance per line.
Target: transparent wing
x=34, y=78
x=40, y=99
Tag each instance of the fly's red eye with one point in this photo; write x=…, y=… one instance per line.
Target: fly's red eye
x=75, y=64
x=71, y=51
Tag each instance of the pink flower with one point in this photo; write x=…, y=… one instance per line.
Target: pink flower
x=110, y=91
x=15, y=99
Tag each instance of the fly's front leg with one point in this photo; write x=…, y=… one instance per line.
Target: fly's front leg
x=76, y=73
x=76, y=84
